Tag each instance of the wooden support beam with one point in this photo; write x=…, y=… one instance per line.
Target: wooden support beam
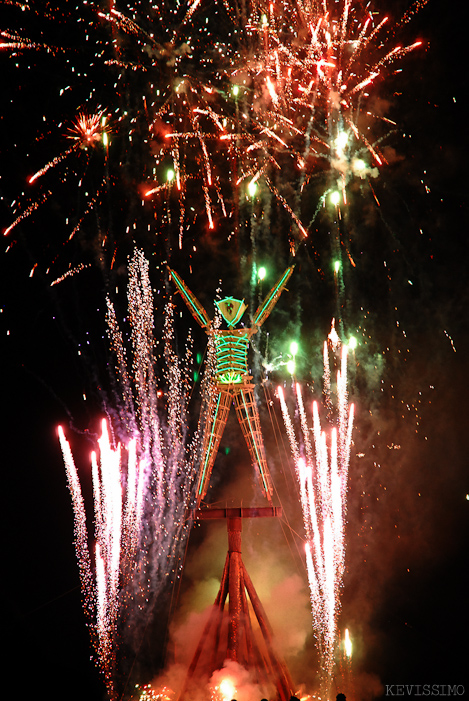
x=236, y=512
x=236, y=584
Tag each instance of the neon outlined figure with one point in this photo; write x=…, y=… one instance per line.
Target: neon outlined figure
x=232, y=380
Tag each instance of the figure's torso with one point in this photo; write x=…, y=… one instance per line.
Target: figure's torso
x=231, y=347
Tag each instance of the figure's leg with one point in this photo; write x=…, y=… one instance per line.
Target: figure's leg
x=248, y=417
x=216, y=421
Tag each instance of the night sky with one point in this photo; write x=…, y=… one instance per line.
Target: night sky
x=405, y=586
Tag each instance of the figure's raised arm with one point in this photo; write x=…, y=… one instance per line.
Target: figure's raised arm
x=270, y=301
x=193, y=304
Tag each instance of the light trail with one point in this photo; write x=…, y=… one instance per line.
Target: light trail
x=322, y=477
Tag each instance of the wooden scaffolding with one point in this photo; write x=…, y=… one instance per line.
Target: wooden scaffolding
x=231, y=636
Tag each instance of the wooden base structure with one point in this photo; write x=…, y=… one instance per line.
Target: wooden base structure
x=231, y=637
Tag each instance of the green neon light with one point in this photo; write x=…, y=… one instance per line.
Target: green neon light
x=231, y=351
x=188, y=299
x=259, y=462
x=230, y=378
x=209, y=445
x=265, y=306
x=193, y=307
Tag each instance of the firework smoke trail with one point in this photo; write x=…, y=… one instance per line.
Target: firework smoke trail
x=322, y=476
x=141, y=491
x=81, y=536
x=141, y=389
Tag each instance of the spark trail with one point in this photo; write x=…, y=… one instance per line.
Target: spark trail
x=141, y=488
x=322, y=474
x=118, y=512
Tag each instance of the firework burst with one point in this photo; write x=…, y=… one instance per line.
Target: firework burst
x=223, y=113
x=311, y=81
x=87, y=131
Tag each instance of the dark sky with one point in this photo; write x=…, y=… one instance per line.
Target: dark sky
x=406, y=580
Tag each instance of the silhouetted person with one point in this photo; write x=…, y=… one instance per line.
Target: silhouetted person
x=340, y=697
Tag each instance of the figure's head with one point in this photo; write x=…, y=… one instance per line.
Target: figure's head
x=231, y=309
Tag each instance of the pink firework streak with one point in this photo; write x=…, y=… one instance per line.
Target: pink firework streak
x=322, y=476
x=118, y=489
x=141, y=486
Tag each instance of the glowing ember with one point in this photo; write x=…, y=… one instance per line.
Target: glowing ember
x=347, y=644
x=146, y=693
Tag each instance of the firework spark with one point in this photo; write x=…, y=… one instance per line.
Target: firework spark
x=142, y=489
x=311, y=86
x=212, y=119
x=275, y=97
x=89, y=130
x=117, y=525
x=146, y=693
x=322, y=476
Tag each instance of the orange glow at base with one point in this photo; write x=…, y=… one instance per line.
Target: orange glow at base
x=227, y=689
